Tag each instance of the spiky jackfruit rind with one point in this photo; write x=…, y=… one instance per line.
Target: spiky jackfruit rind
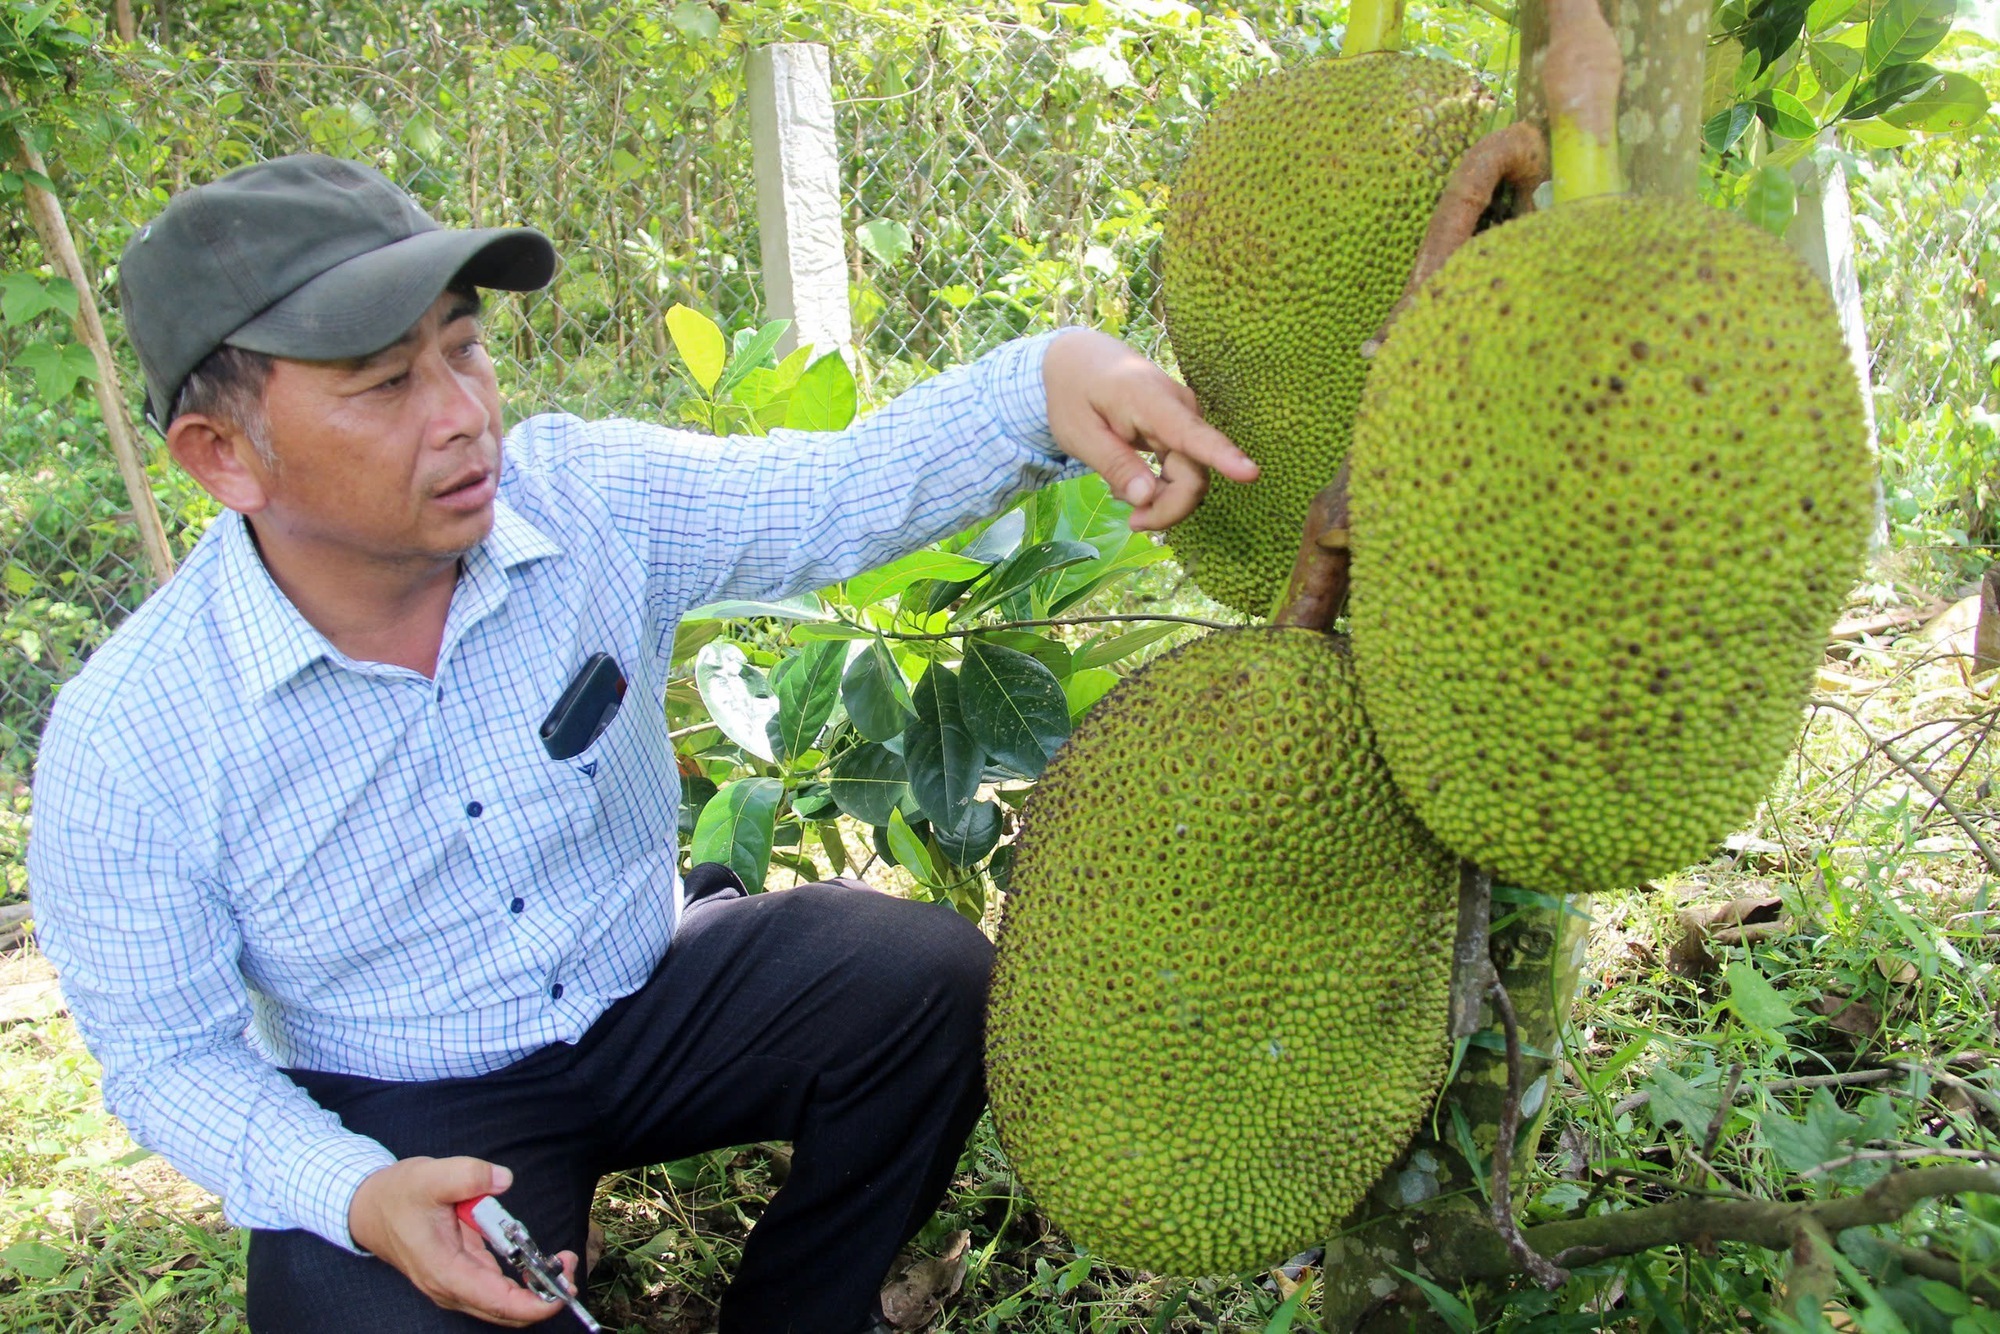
x=1290, y=234
x=1220, y=1002
x=1610, y=485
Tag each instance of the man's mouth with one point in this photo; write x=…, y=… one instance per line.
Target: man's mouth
x=469, y=490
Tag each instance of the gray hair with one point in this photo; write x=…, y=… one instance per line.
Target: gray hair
x=229, y=384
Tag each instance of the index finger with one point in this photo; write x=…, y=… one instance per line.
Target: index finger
x=474, y=1283
x=1172, y=425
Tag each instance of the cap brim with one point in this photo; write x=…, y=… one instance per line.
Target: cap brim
x=370, y=301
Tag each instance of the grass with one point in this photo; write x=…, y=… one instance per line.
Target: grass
x=1888, y=953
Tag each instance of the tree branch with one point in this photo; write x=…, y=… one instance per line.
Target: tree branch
x=1921, y=779
x=1057, y=621
x=1537, y=1266
x=1929, y=1264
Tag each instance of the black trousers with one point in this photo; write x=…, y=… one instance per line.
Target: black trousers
x=845, y=1021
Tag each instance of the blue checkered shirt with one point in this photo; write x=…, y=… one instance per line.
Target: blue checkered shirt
x=250, y=850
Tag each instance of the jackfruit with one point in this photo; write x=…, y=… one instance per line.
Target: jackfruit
x=1291, y=232
x=1610, y=484
x=1220, y=1003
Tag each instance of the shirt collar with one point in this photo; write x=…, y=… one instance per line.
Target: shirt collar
x=274, y=643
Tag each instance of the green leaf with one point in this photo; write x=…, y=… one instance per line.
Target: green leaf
x=1051, y=653
x=875, y=695
x=696, y=20
x=1875, y=133
x=1288, y=1311
x=700, y=343
x=909, y=850
x=1724, y=128
x=1906, y=30
x=738, y=697
x=866, y=589
x=968, y=844
x=1888, y=89
x=808, y=685
x=1675, y=1100
x=824, y=399
x=944, y=760
x=1107, y=649
x=1023, y=568
x=35, y=1260
x=1835, y=65
x=1954, y=102
x=804, y=607
x=57, y=369
x=1945, y=1297
x=736, y=827
x=808, y=632
x=751, y=354
x=1786, y=116
x=1448, y=1307
x=690, y=636
x=20, y=582
x=1823, y=14
x=1756, y=1002
x=1085, y=688
x=1771, y=200
x=24, y=296
x=885, y=241
x=868, y=781
x=1014, y=707
x=1821, y=1137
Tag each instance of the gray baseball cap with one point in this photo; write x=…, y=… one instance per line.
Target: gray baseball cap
x=307, y=257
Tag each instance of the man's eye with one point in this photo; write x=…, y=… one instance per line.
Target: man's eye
x=393, y=382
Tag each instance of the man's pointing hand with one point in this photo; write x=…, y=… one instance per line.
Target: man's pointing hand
x=1106, y=402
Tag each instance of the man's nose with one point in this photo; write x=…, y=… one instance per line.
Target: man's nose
x=457, y=407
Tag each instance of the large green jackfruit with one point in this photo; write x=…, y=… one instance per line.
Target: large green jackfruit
x=1220, y=1001
x=1291, y=232
x=1610, y=485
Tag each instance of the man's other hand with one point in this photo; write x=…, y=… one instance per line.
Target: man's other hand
x=1106, y=402
x=403, y=1214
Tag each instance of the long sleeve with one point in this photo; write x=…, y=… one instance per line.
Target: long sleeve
x=148, y=959
x=743, y=516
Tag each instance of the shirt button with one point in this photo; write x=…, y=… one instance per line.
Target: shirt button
x=474, y=809
x=555, y=992
x=517, y=905
x=440, y=694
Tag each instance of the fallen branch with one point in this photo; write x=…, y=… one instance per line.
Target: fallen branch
x=1929, y=1264
x=1922, y=779
x=1897, y=1156
x=1870, y=1076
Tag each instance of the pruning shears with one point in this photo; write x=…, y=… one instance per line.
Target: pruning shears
x=509, y=1238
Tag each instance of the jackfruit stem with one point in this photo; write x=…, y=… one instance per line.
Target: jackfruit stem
x=1318, y=587
x=1515, y=156
x=1373, y=25
x=1580, y=78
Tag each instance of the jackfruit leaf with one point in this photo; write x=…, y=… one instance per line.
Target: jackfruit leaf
x=884, y=240
x=808, y=686
x=700, y=343
x=909, y=850
x=824, y=399
x=1675, y=1100
x=690, y=636
x=875, y=695
x=1021, y=569
x=868, y=781
x=1906, y=30
x=1000, y=869
x=1876, y=134
x=696, y=792
x=1771, y=200
x=738, y=697
x=998, y=539
x=1756, y=1002
x=1085, y=688
x=1785, y=115
x=750, y=354
x=814, y=801
x=736, y=827
x=865, y=589
x=1835, y=66
x=1014, y=706
x=1773, y=27
x=804, y=607
x=1952, y=103
x=1081, y=581
x=1888, y=89
x=1823, y=14
x=944, y=760
x=834, y=845
x=1051, y=653
x=810, y=632
x=1109, y=648
x=968, y=844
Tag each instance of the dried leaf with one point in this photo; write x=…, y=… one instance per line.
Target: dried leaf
x=918, y=1288
x=1899, y=971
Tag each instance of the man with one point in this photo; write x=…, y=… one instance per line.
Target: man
x=350, y=941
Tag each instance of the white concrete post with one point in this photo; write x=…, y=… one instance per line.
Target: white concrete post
x=798, y=195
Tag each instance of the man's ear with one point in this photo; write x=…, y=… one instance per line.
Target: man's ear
x=219, y=455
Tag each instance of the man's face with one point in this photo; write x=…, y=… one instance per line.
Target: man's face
x=393, y=456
